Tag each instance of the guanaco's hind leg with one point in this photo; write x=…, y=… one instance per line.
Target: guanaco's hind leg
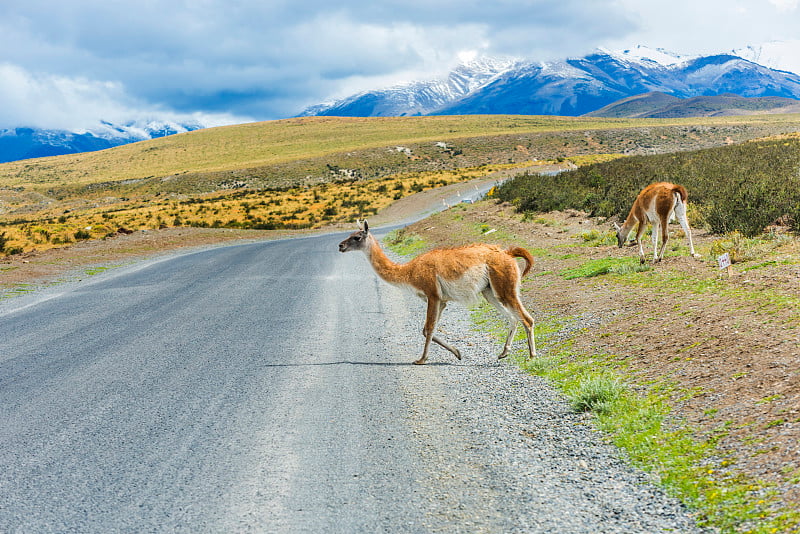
x=680, y=214
x=514, y=311
x=660, y=227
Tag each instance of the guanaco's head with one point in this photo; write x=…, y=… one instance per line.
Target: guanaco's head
x=620, y=238
x=357, y=240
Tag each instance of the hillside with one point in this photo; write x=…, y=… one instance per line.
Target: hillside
x=742, y=188
x=260, y=153
x=660, y=105
x=315, y=171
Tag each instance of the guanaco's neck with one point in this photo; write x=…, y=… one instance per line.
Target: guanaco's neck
x=384, y=267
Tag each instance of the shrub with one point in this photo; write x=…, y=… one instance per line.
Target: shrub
x=597, y=238
x=742, y=187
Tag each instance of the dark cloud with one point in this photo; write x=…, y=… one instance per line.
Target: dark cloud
x=264, y=60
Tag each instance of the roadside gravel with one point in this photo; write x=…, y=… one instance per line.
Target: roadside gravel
x=505, y=453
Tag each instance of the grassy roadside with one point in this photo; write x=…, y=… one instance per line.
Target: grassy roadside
x=697, y=451
x=640, y=421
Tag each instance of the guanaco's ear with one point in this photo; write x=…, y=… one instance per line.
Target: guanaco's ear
x=360, y=224
x=617, y=227
x=366, y=226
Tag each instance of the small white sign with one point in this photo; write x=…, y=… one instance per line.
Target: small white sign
x=724, y=261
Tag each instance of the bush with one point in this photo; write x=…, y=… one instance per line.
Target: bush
x=741, y=188
x=82, y=234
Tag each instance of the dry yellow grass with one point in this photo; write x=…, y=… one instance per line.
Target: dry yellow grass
x=301, y=207
x=257, y=144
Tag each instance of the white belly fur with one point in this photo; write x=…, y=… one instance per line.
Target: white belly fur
x=466, y=289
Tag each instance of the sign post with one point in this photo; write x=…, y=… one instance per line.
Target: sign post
x=725, y=263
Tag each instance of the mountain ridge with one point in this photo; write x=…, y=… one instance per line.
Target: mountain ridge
x=570, y=87
x=27, y=142
x=576, y=86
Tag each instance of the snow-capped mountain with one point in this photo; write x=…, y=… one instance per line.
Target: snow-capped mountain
x=576, y=86
x=419, y=97
x=24, y=143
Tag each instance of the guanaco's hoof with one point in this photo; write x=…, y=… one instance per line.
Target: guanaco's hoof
x=419, y=362
x=457, y=354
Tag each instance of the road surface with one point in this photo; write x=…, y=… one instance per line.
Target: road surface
x=267, y=387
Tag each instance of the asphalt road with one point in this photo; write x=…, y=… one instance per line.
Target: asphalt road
x=239, y=388
x=268, y=387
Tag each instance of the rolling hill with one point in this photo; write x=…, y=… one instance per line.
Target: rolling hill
x=315, y=149
x=310, y=171
x=660, y=105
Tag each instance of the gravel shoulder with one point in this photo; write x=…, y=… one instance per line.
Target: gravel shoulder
x=506, y=454
x=726, y=347
x=504, y=451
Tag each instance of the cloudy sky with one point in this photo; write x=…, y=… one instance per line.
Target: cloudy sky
x=70, y=64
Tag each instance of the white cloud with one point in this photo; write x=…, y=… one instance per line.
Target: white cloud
x=76, y=104
x=94, y=58
x=784, y=5
x=711, y=26
x=43, y=100
x=268, y=59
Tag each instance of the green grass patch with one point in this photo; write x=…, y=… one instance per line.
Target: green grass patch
x=405, y=243
x=91, y=271
x=620, y=266
x=640, y=421
x=597, y=393
x=597, y=238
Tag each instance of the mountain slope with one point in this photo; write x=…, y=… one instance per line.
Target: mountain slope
x=416, y=98
x=660, y=105
x=779, y=55
x=24, y=143
x=636, y=106
x=577, y=86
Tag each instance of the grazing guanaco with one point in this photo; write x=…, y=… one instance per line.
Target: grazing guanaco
x=454, y=274
x=657, y=204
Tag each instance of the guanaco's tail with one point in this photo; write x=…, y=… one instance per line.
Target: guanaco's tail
x=681, y=191
x=519, y=252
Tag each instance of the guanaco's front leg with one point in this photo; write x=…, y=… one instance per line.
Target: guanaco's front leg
x=431, y=317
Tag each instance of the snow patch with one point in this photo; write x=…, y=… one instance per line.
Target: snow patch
x=643, y=54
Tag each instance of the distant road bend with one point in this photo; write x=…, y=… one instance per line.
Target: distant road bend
x=268, y=387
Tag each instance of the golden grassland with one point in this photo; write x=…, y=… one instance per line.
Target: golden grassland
x=257, y=144
x=300, y=207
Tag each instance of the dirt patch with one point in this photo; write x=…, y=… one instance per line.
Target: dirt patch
x=729, y=348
